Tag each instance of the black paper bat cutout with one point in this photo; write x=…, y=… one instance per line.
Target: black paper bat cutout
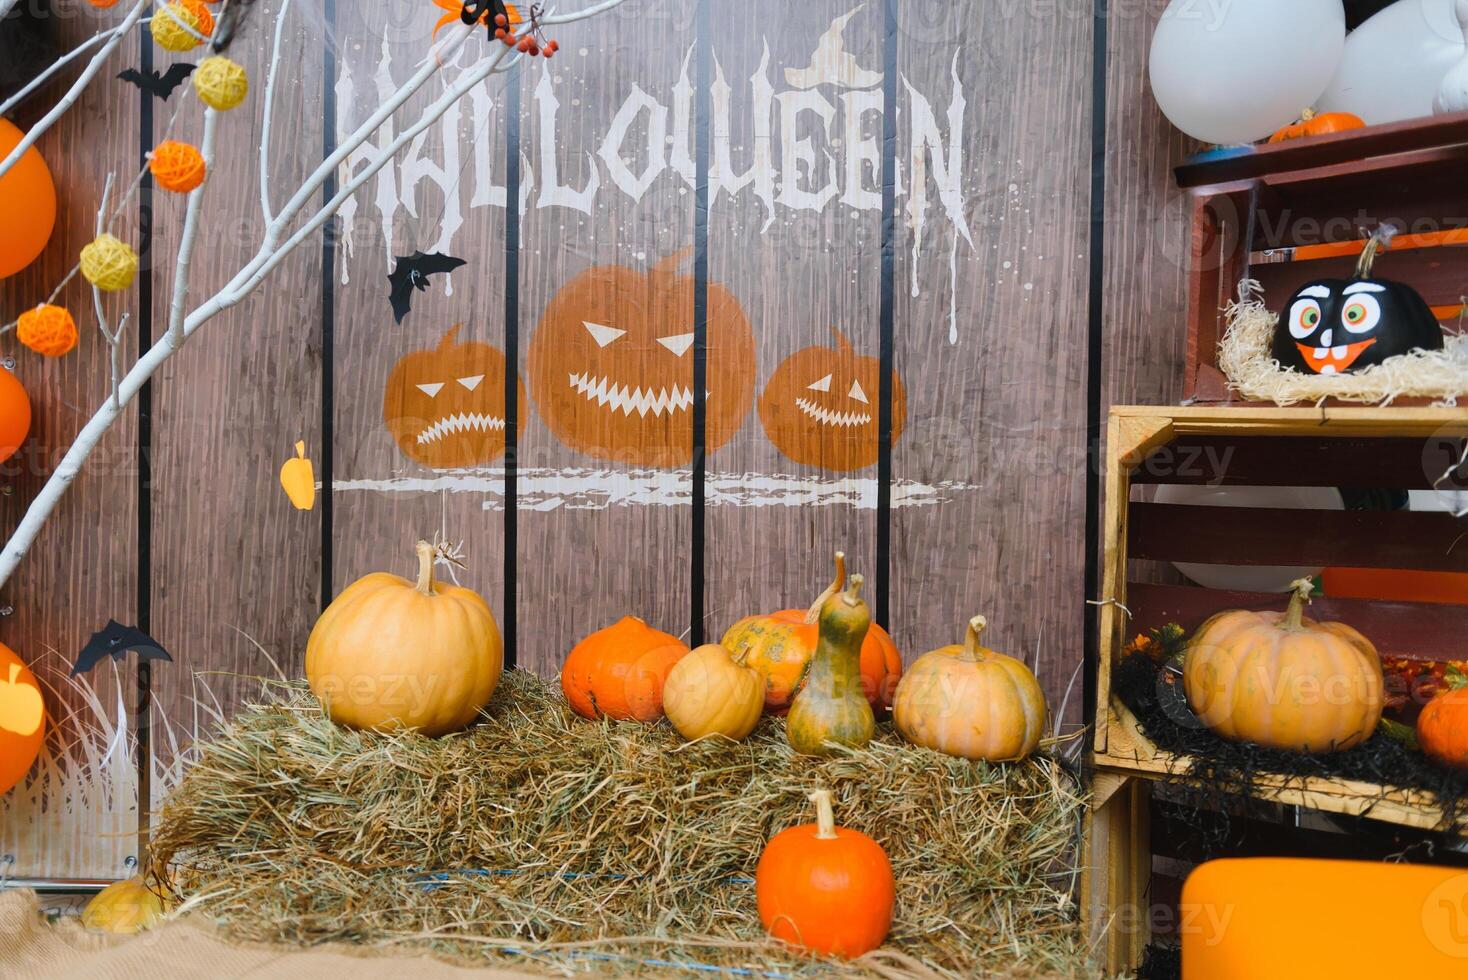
x=411, y=272
x=156, y=85
x=115, y=640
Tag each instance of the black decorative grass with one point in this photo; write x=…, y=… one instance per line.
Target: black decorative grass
x=1220, y=769
x=1161, y=961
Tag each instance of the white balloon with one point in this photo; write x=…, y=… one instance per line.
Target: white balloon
x=1452, y=91
x=1394, y=63
x=1236, y=71
x=1248, y=578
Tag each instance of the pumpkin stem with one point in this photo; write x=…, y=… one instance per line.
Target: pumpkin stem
x=450, y=337
x=301, y=450
x=427, y=553
x=1302, y=587
x=1380, y=241
x=825, y=815
x=971, y=639
x=852, y=596
x=1308, y=114
x=837, y=584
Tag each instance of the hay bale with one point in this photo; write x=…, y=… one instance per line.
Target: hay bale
x=606, y=847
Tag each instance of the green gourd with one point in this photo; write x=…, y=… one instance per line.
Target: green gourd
x=832, y=707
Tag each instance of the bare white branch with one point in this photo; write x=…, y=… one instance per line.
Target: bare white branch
x=77, y=87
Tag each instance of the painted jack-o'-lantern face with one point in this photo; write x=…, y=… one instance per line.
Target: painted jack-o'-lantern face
x=22, y=719
x=445, y=407
x=611, y=365
x=1333, y=326
x=820, y=407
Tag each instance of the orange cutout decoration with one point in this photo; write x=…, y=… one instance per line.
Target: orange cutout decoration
x=445, y=407
x=15, y=414
x=48, y=330
x=28, y=202
x=177, y=167
x=298, y=479
x=22, y=719
x=825, y=887
x=611, y=365
x=1291, y=917
x=820, y=407
x=455, y=13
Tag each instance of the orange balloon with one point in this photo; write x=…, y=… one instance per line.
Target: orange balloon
x=15, y=414
x=28, y=202
x=22, y=719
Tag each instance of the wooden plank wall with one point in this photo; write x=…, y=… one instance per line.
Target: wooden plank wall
x=572, y=187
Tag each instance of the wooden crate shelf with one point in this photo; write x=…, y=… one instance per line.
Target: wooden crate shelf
x=1397, y=448
x=1290, y=212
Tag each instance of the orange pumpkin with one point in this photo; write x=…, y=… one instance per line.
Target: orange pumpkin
x=28, y=202
x=1283, y=681
x=611, y=365
x=824, y=887
x=780, y=646
x=820, y=407
x=1313, y=124
x=1442, y=728
x=619, y=672
x=445, y=407
x=22, y=718
x=15, y=414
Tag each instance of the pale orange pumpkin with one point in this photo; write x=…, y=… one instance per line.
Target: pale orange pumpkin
x=619, y=672
x=124, y=908
x=780, y=645
x=393, y=655
x=709, y=693
x=970, y=702
x=1283, y=681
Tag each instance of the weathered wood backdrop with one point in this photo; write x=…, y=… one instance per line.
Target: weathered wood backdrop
x=970, y=278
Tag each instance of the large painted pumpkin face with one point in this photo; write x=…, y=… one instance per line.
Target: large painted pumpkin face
x=22, y=719
x=611, y=365
x=445, y=407
x=820, y=407
x=1335, y=326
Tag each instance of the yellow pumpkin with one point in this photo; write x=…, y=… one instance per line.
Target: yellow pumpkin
x=1283, y=681
x=392, y=655
x=123, y=908
x=708, y=693
x=967, y=701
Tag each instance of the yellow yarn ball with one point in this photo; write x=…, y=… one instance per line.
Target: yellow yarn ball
x=167, y=25
x=47, y=330
x=109, y=263
x=221, y=83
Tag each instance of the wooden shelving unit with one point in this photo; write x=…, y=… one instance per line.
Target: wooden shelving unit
x=1330, y=446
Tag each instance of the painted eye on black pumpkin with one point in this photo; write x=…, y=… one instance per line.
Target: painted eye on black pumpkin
x=1362, y=313
x=1304, y=318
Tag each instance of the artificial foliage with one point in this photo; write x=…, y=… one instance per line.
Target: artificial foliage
x=606, y=846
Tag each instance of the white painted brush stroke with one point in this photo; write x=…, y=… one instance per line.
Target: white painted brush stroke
x=577, y=488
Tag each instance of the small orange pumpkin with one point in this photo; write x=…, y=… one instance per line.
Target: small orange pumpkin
x=824, y=887
x=1318, y=124
x=780, y=645
x=1442, y=728
x=1283, y=681
x=619, y=672
x=22, y=718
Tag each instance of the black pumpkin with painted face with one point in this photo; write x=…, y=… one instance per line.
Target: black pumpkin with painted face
x=1336, y=326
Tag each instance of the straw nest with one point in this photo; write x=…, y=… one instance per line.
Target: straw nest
x=576, y=846
x=1244, y=356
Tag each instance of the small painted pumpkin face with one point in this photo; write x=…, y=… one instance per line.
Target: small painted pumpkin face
x=445, y=407
x=1335, y=326
x=611, y=365
x=820, y=407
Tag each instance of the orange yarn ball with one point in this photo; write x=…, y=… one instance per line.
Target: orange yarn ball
x=47, y=330
x=177, y=166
